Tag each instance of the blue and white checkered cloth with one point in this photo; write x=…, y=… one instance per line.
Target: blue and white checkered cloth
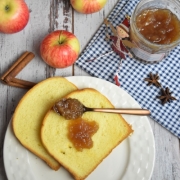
x=133, y=72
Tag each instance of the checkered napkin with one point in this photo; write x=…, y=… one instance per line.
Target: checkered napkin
x=132, y=72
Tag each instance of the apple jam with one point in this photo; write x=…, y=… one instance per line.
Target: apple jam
x=69, y=108
x=80, y=133
x=159, y=26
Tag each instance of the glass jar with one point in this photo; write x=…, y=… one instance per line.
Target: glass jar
x=146, y=50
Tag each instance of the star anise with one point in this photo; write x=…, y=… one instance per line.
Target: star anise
x=166, y=96
x=153, y=80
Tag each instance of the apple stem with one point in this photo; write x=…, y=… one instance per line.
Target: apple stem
x=7, y=8
x=60, y=42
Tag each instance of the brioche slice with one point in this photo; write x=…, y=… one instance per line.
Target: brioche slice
x=31, y=110
x=113, y=129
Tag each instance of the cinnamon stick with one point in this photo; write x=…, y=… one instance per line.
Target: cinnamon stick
x=17, y=85
x=9, y=76
x=14, y=65
x=20, y=82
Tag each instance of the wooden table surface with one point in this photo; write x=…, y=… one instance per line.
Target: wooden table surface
x=45, y=17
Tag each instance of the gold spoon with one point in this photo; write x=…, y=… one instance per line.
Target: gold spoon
x=73, y=109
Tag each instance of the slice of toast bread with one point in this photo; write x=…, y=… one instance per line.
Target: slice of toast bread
x=30, y=111
x=113, y=129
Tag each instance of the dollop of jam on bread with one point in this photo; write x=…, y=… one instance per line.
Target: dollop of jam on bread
x=80, y=133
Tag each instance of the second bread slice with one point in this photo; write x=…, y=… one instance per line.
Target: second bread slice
x=113, y=129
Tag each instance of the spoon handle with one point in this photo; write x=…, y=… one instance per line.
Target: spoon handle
x=122, y=111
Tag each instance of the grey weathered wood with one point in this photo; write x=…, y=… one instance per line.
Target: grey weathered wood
x=45, y=17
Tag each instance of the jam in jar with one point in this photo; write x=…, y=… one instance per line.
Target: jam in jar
x=155, y=29
x=159, y=26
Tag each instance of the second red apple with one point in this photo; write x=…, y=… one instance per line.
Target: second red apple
x=14, y=16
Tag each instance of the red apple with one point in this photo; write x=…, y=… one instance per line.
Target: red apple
x=88, y=6
x=14, y=16
x=60, y=49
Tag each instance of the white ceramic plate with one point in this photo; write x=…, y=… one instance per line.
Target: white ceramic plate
x=133, y=159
